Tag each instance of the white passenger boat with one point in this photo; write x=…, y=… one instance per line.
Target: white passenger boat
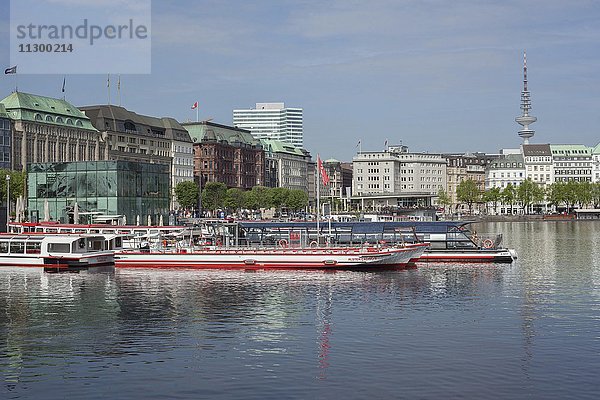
x=57, y=252
x=273, y=258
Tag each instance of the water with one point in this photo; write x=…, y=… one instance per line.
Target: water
x=526, y=330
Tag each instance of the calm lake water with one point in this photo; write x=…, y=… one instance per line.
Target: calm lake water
x=526, y=330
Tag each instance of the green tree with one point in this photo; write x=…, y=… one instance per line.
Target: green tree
x=297, y=200
x=468, y=192
x=494, y=196
x=583, y=193
x=213, y=195
x=279, y=197
x=509, y=195
x=444, y=200
x=186, y=194
x=234, y=199
x=595, y=195
x=556, y=194
x=17, y=183
x=525, y=192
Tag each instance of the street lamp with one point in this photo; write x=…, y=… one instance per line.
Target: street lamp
x=7, y=201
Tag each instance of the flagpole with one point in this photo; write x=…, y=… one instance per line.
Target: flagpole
x=197, y=109
x=108, y=88
x=317, y=173
x=119, y=89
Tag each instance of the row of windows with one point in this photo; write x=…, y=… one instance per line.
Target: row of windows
x=58, y=120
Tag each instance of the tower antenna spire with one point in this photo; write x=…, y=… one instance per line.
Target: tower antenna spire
x=525, y=119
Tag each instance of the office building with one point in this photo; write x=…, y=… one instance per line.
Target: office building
x=272, y=121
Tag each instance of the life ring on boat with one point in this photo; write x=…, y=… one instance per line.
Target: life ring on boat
x=218, y=242
x=488, y=244
x=313, y=244
x=283, y=243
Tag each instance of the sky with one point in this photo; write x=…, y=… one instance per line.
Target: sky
x=435, y=75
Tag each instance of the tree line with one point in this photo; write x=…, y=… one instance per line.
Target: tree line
x=215, y=196
x=559, y=194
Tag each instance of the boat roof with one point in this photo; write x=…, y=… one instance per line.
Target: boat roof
x=361, y=227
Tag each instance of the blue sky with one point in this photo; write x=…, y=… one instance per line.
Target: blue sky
x=437, y=75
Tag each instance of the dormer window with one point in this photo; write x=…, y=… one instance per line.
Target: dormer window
x=49, y=118
x=69, y=121
x=79, y=123
x=59, y=120
x=38, y=117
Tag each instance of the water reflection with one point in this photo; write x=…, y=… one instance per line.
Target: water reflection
x=220, y=333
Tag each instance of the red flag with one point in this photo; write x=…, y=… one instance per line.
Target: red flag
x=322, y=171
x=195, y=105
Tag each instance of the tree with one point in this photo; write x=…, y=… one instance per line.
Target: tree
x=186, y=194
x=468, y=192
x=234, y=199
x=213, y=195
x=525, y=193
x=279, y=197
x=297, y=199
x=494, y=196
x=444, y=199
x=509, y=194
x=17, y=183
x=596, y=195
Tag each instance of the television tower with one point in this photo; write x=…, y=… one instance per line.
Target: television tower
x=525, y=119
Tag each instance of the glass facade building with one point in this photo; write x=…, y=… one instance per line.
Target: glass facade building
x=138, y=191
x=5, y=145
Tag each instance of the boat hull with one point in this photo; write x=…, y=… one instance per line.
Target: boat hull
x=469, y=255
x=321, y=259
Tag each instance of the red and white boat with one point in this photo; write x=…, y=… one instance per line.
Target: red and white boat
x=273, y=258
x=57, y=252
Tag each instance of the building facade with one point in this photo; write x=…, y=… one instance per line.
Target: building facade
x=596, y=164
x=462, y=167
x=538, y=163
x=5, y=138
x=136, y=190
x=226, y=154
x=292, y=164
x=397, y=178
x=572, y=162
x=509, y=169
x=140, y=138
x=45, y=129
x=272, y=121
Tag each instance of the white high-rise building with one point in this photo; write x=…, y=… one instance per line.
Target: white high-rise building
x=272, y=121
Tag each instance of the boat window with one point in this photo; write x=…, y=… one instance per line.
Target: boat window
x=105, y=231
x=79, y=230
x=65, y=230
x=17, y=247
x=81, y=243
x=52, y=230
x=59, y=248
x=95, y=244
x=3, y=247
x=33, y=248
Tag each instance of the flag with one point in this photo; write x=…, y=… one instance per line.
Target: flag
x=64, y=81
x=108, y=81
x=358, y=144
x=324, y=176
x=119, y=83
x=11, y=70
x=195, y=105
x=385, y=144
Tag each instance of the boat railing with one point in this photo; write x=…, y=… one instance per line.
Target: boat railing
x=490, y=241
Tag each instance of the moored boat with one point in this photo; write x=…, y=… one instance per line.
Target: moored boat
x=322, y=258
x=56, y=252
